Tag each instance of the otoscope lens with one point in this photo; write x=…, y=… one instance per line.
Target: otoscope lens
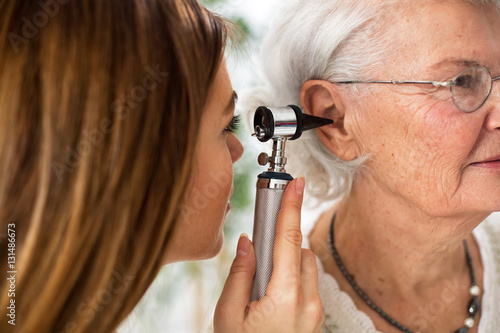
x=265, y=121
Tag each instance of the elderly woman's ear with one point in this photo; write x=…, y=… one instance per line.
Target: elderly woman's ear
x=323, y=99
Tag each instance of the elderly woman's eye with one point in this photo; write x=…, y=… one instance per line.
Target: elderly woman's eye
x=464, y=81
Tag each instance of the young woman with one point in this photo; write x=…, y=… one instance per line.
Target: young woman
x=116, y=117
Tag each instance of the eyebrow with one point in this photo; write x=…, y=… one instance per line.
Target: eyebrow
x=456, y=62
x=231, y=104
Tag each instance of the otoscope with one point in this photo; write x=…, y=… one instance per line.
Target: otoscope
x=279, y=124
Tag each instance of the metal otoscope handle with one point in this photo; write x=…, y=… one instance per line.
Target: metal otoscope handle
x=270, y=189
x=278, y=124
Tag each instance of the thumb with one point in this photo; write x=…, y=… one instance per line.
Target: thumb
x=236, y=293
x=288, y=243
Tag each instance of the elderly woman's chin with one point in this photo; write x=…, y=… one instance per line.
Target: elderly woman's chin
x=484, y=189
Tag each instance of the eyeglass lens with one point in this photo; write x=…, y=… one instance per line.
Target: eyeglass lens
x=471, y=88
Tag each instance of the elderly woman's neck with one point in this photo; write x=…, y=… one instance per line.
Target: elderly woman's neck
x=402, y=241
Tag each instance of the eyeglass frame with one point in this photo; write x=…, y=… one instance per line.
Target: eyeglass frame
x=449, y=83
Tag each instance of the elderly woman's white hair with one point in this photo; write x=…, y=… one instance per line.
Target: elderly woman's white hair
x=330, y=40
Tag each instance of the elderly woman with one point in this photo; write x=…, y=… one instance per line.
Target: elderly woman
x=413, y=157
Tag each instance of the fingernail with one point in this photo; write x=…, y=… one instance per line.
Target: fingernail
x=243, y=245
x=300, y=184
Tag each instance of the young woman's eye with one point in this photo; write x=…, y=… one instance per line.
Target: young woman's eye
x=234, y=125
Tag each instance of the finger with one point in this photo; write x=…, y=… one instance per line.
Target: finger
x=312, y=305
x=309, y=276
x=288, y=242
x=231, y=307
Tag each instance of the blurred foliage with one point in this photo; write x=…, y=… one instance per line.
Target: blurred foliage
x=222, y=6
x=242, y=23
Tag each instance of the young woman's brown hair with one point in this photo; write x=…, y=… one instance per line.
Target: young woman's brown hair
x=100, y=102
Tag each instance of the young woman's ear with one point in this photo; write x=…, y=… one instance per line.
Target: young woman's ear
x=323, y=99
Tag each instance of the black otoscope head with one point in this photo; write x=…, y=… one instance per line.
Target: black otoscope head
x=285, y=122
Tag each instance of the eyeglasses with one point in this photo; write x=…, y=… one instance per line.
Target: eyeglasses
x=469, y=90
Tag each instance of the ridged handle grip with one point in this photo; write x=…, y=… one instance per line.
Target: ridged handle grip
x=267, y=207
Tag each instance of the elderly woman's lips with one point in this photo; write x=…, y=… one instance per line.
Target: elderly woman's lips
x=493, y=162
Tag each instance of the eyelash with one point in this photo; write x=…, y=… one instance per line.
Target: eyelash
x=234, y=125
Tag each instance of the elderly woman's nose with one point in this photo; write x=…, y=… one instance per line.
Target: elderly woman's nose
x=495, y=93
x=493, y=118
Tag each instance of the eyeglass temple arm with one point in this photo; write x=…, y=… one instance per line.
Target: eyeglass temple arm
x=435, y=83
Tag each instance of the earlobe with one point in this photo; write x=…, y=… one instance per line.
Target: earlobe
x=323, y=99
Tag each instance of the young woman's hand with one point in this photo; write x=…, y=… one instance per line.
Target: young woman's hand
x=292, y=302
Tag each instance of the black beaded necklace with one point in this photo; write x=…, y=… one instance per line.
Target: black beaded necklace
x=474, y=290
